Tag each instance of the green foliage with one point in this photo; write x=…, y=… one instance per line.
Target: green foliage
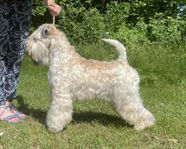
x=88, y=27
x=38, y=8
x=132, y=37
x=166, y=29
x=115, y=15
x=133, y=21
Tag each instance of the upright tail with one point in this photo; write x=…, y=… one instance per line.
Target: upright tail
x=119, y=47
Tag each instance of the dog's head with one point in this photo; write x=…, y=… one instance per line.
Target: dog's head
x=38, y=43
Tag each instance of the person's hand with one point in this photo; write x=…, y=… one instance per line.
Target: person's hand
x=54, y=8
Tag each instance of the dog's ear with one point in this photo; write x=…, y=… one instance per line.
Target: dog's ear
x=48, y=31
x=45, y=32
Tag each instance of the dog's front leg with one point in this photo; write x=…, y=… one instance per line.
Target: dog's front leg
x=60, y=111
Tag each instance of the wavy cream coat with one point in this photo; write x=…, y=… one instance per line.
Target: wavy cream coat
x=73, y=77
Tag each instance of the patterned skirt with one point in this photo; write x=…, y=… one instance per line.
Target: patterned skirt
x=15, y=16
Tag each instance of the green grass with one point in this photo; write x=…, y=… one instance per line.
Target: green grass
x=95, y=124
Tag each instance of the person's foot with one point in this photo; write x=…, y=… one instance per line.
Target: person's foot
x=13, y=108
x=8, y=113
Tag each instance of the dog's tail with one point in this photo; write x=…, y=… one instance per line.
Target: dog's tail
x=119, y=47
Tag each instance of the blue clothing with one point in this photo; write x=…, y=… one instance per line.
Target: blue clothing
x=14, y=26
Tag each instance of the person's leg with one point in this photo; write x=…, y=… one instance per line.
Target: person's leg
x=20, y=14
x=4, y=28
x=6, y=114
x=12, y=50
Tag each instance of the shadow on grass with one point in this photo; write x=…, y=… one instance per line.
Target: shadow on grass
x=102, y=118
x=78, y=117
x=38, y=114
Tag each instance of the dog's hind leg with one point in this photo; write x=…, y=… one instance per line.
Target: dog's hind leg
x=129, y=106
x=60, y=111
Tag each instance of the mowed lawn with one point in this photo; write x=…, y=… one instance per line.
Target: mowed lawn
x=95, y=124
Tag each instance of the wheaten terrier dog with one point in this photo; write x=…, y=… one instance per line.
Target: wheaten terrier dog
x=73, y=77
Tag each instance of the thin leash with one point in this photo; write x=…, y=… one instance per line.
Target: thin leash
x=54, y=20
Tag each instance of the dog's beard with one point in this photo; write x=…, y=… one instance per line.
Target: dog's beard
x=39, y=52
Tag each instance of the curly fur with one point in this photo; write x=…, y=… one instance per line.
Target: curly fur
x=73, y=77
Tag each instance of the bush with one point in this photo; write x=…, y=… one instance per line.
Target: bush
x=132, y=37
x=88, y=27
x=88, y=21
x=166, y=30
